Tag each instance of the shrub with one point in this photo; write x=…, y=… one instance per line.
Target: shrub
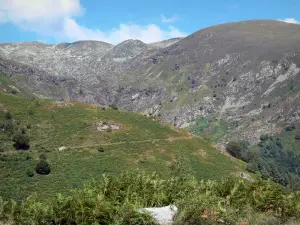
x=290, y=128
x=23, y=130
x=234, y=149
x=101, y=149
x=30, y=112
x=297, y=137
x=28, y=126
x=28, y=157
x=42, y=156
x=114, y=106
x=9, y=127
x=42, y=167
x=8, y=115
x=29, y=173
x=21, y=141
x=252, y=167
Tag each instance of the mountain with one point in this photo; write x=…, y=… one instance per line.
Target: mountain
x=231, y=81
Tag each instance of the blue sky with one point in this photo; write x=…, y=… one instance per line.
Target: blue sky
x=54, y=21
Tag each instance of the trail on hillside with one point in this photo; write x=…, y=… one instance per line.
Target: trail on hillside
x=131, y=142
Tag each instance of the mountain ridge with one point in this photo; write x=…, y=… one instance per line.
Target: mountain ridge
x=230, y=72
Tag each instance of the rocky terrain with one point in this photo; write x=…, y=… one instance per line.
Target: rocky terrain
x=246, y=74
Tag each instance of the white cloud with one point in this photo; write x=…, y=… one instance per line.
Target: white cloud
x=148, y=34
x=57, y=19
x=290, y=20
x=168, y=20
x=26, y=11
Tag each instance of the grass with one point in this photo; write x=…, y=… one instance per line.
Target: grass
x=117, y=199
x=142, y=144
x=210, y=128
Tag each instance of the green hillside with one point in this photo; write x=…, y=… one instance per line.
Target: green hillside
x=69, y=135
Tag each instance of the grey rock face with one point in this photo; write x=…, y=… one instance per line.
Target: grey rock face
x=246, y=72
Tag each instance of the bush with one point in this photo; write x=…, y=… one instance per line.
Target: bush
x=29, y=173
x=23, y=130
x=114, y=106
x=234, y=149
x=8, y=115
x=290, y=128
x=297, y=137
x=21, y=141
x=14, y=91
x=30, y=112
x=43, y=167
x=8, y=127
x=42, y=156
x=252, y=167
x=101, y=149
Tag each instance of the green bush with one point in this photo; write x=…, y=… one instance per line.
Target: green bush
x=238, y=149
x=8, y=115
x=8, y=127
x=113, y=106
x=290, y=128
x=21, y=141
x=101, y=149
x=42, y=167
x=30, y=173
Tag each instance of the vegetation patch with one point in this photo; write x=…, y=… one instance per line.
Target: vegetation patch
x=118, y=200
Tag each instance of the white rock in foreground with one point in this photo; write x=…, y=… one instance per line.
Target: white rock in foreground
x=163, y=215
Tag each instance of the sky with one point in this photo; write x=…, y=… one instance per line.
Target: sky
x=113, y=21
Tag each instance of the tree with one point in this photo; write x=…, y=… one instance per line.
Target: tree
x=21, y=141
x=252, y=167
x=42, y=167
x=235, y=149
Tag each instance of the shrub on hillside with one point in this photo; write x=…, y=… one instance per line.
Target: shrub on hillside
x=30, y=173
x=238, y=150
x=8, y=127
x=42, y=167
x=8, y=115
x=114, y=106
x=290, y=128
x=297, y=137
x=21, y=141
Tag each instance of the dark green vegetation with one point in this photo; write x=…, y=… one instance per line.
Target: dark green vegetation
x=74, y=150
x=275, y=157
x=116, y=200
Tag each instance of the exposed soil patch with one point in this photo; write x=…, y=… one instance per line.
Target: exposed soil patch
x=108, y=126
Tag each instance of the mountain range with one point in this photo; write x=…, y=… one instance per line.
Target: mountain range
x=227, y=82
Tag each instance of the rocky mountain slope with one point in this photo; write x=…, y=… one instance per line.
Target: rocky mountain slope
x=245, y=75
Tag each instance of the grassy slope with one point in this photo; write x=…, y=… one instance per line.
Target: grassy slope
x=141, y=144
